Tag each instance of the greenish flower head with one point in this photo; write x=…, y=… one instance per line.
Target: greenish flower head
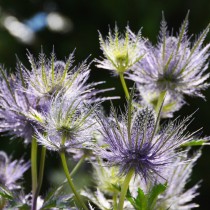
x=172, y=103
x=121, y=60
x=108, y=178
x=121, y=51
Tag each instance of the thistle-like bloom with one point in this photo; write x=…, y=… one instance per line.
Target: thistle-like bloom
x=176, y=196
x=11, y=171
x=175, y=65
x=133, y=143
x=120, y=51
x=16, y=107
x=69, y=123
x=48, y=77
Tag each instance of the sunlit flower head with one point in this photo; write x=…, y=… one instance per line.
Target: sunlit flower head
x=69, y=123
x=175, y=64
x=120, y=51
x=132, y=143
x=49, y=76
x=11, y=171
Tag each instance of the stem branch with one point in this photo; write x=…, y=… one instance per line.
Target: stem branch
x=66, y=170
x=77, y=166
x=34, y=170
x=124, y=86
x=124, y=189
x=41, y=173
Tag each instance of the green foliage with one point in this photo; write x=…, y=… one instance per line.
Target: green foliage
x=146, y=201
x=55, y=198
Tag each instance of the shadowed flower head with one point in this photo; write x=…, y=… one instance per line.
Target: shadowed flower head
x=106, y=178
x=102, y=201
x=175, y=64
x=68, y=124
x=11, y=171
x=120, y=51
x=132, y=143
x=171, y=104
x=176, y=196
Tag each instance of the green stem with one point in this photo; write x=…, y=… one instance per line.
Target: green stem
x=41, y=173
x=160, y=101
x=77, y=166
x=124, y=189
x=66, y=170
x=34, y=170
x=124, y=86
x=158, y=110
x=2, y=203
x=115, y=201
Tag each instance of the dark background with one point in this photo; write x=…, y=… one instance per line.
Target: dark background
x=84, y=18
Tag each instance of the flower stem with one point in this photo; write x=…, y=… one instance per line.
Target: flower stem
x=124, y=189
x=124, y=86
x=41, y=173
x=2, y=203
x=66, y=170
x=77, y=166
x=160, y=101
x=34, y=170
x=158, y=110
x=115, y=201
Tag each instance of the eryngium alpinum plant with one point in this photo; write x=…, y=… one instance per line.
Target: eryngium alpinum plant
x=141, y=160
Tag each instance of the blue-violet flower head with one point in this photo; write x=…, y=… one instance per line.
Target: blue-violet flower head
x=175, y=65
x=11, y=171
x=132, y=142
x=16, y=107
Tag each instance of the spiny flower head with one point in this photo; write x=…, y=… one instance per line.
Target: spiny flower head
x=175, y=196
x=69, y=123
x=133, y=143
x=120, y=51
x=11, y=171
x=175, y=64
x=48, y=77
x=16, y=117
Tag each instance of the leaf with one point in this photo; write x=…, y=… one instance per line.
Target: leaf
x=116, y=187
x=140, y=202
x=5, y=193
x=55, y=198
x=153, y=195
